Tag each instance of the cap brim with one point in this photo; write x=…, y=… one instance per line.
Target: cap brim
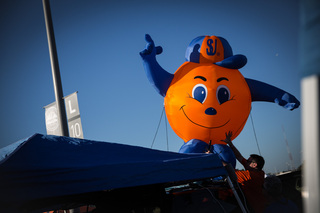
x=233, y=62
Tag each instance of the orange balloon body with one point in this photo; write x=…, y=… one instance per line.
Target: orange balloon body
x=187, y=115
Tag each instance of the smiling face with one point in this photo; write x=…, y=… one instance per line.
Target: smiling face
x=206, y=101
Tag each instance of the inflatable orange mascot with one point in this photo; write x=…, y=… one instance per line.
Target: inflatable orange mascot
x=207, y=96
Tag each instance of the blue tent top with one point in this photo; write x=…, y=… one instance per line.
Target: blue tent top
x=44, y=166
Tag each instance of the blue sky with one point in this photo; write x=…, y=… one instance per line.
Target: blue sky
x=98, y=44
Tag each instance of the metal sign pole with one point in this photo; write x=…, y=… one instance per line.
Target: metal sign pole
x=55, y=69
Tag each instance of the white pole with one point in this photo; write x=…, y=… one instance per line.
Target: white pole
x=310, y=89
x=310, y=138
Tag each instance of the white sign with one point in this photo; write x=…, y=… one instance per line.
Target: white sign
x=75, y=128
x=73, y=115
x=52, y=119
x=72, y=107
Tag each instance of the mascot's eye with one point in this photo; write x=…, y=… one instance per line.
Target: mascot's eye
x=223, y=94
x=199, y=92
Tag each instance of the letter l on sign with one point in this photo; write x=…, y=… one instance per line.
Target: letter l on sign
x=70, y=107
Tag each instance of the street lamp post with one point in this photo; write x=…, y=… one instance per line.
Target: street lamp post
x=55, y=69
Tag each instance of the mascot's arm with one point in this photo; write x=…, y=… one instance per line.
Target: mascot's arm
x=264, y=92
x=157, y=76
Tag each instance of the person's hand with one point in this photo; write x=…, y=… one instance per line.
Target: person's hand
x=228, y=138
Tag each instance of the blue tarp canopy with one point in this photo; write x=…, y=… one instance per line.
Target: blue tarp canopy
x=44, y=166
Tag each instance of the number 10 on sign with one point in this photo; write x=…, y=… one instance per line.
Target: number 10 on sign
x=75, y=128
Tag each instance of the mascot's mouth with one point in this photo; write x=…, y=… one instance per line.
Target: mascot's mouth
x=209, y=127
